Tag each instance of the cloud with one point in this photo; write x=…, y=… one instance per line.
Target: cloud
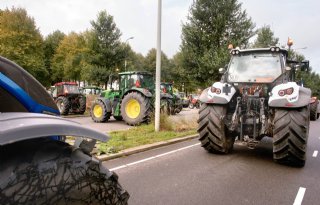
x=138, y=18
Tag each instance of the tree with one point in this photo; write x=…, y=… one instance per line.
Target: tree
x=150, y=64
x=135, y=61
x=265, y=38
x=51, y=44
x=21, y=42
x=106, y=50
x=70, y=58
x=211, y=27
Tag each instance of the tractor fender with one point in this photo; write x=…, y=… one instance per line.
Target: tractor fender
x=106, y=102
x=300, y=96
x=18, y=126
x=166, y=96
x=143, y=91
x=226, y=93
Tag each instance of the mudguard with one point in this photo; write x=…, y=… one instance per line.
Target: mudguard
x=16, y=127
x=166, y=96
x=107, y=103
x=226, y=93
x=21, y=92
x=143, y=91
x=299, y=98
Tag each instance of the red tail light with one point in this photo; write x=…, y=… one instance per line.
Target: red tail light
x=164, y=90
x=138, y=85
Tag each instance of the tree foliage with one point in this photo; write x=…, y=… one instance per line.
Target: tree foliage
x=211, y=26
x=265, y=38
x=150, y=64
x=107, y=52
x=21, y=42
x=70, y=58
x=51, y=44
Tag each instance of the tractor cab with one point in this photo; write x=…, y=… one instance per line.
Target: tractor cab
x=65, y=88
x=136, y=80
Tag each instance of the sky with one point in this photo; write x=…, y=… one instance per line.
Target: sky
x=296, y=19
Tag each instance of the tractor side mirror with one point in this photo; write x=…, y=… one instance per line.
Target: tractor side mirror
x=304, y=66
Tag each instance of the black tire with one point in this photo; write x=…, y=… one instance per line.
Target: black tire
x=53, y=172
x=313, y=111
x=191, y=106
x=82, y=105
x=165, y=106
x=99, y=112
x=213, y=133
x=172, y=110
x=143, y=116
x=179, y=109
x=118, y=118
x=63, y=104
x=290, y=136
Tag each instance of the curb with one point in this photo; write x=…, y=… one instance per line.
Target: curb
x=143, y=148
x=75, y=116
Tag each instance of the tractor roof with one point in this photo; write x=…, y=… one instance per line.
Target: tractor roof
x=65, y=83
x=136, y=72
x=166, y=83
x=258, y=50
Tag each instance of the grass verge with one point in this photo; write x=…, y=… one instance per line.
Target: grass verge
x=170, y=128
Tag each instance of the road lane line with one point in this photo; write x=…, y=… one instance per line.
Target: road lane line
x=315, y=153
x=154, y=157
x=299, y=196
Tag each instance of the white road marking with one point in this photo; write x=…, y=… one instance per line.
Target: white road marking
x=315, y=153
x=154, y=157
x=299, y=196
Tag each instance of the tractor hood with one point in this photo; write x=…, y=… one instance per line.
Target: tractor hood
x=16, y=127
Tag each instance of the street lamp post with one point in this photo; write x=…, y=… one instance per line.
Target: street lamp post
x=158, y=68
x=125, y=58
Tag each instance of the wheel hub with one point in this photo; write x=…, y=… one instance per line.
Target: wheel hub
x=133, y=108
x=97, y=111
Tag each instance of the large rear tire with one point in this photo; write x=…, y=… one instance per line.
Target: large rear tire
x=290, y=135
x=313, y=111
x=213, y=133
x=82, y=104
x=99, y=112
x=135, y=108
x=63, y=105
x=53, y=172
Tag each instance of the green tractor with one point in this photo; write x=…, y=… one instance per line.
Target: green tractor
x=169, y=99
x=129, y=97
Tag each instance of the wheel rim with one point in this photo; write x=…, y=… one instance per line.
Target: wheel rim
x=97, y=111
x=133, y=108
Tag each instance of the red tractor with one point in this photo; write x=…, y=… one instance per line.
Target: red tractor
x=68, y=98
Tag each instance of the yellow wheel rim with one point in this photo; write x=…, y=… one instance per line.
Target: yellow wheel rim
x=97, y=111
x=133, y=108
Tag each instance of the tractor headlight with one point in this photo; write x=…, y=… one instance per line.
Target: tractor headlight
x=215, y=90
x=287, y=91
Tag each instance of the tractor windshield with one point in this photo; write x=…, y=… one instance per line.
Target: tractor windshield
x=166, y=88
x=72, y=89
x=254, y=67
x=147, y=82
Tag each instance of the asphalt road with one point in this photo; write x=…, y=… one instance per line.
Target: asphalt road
x=185, y=173
x=113, y=125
